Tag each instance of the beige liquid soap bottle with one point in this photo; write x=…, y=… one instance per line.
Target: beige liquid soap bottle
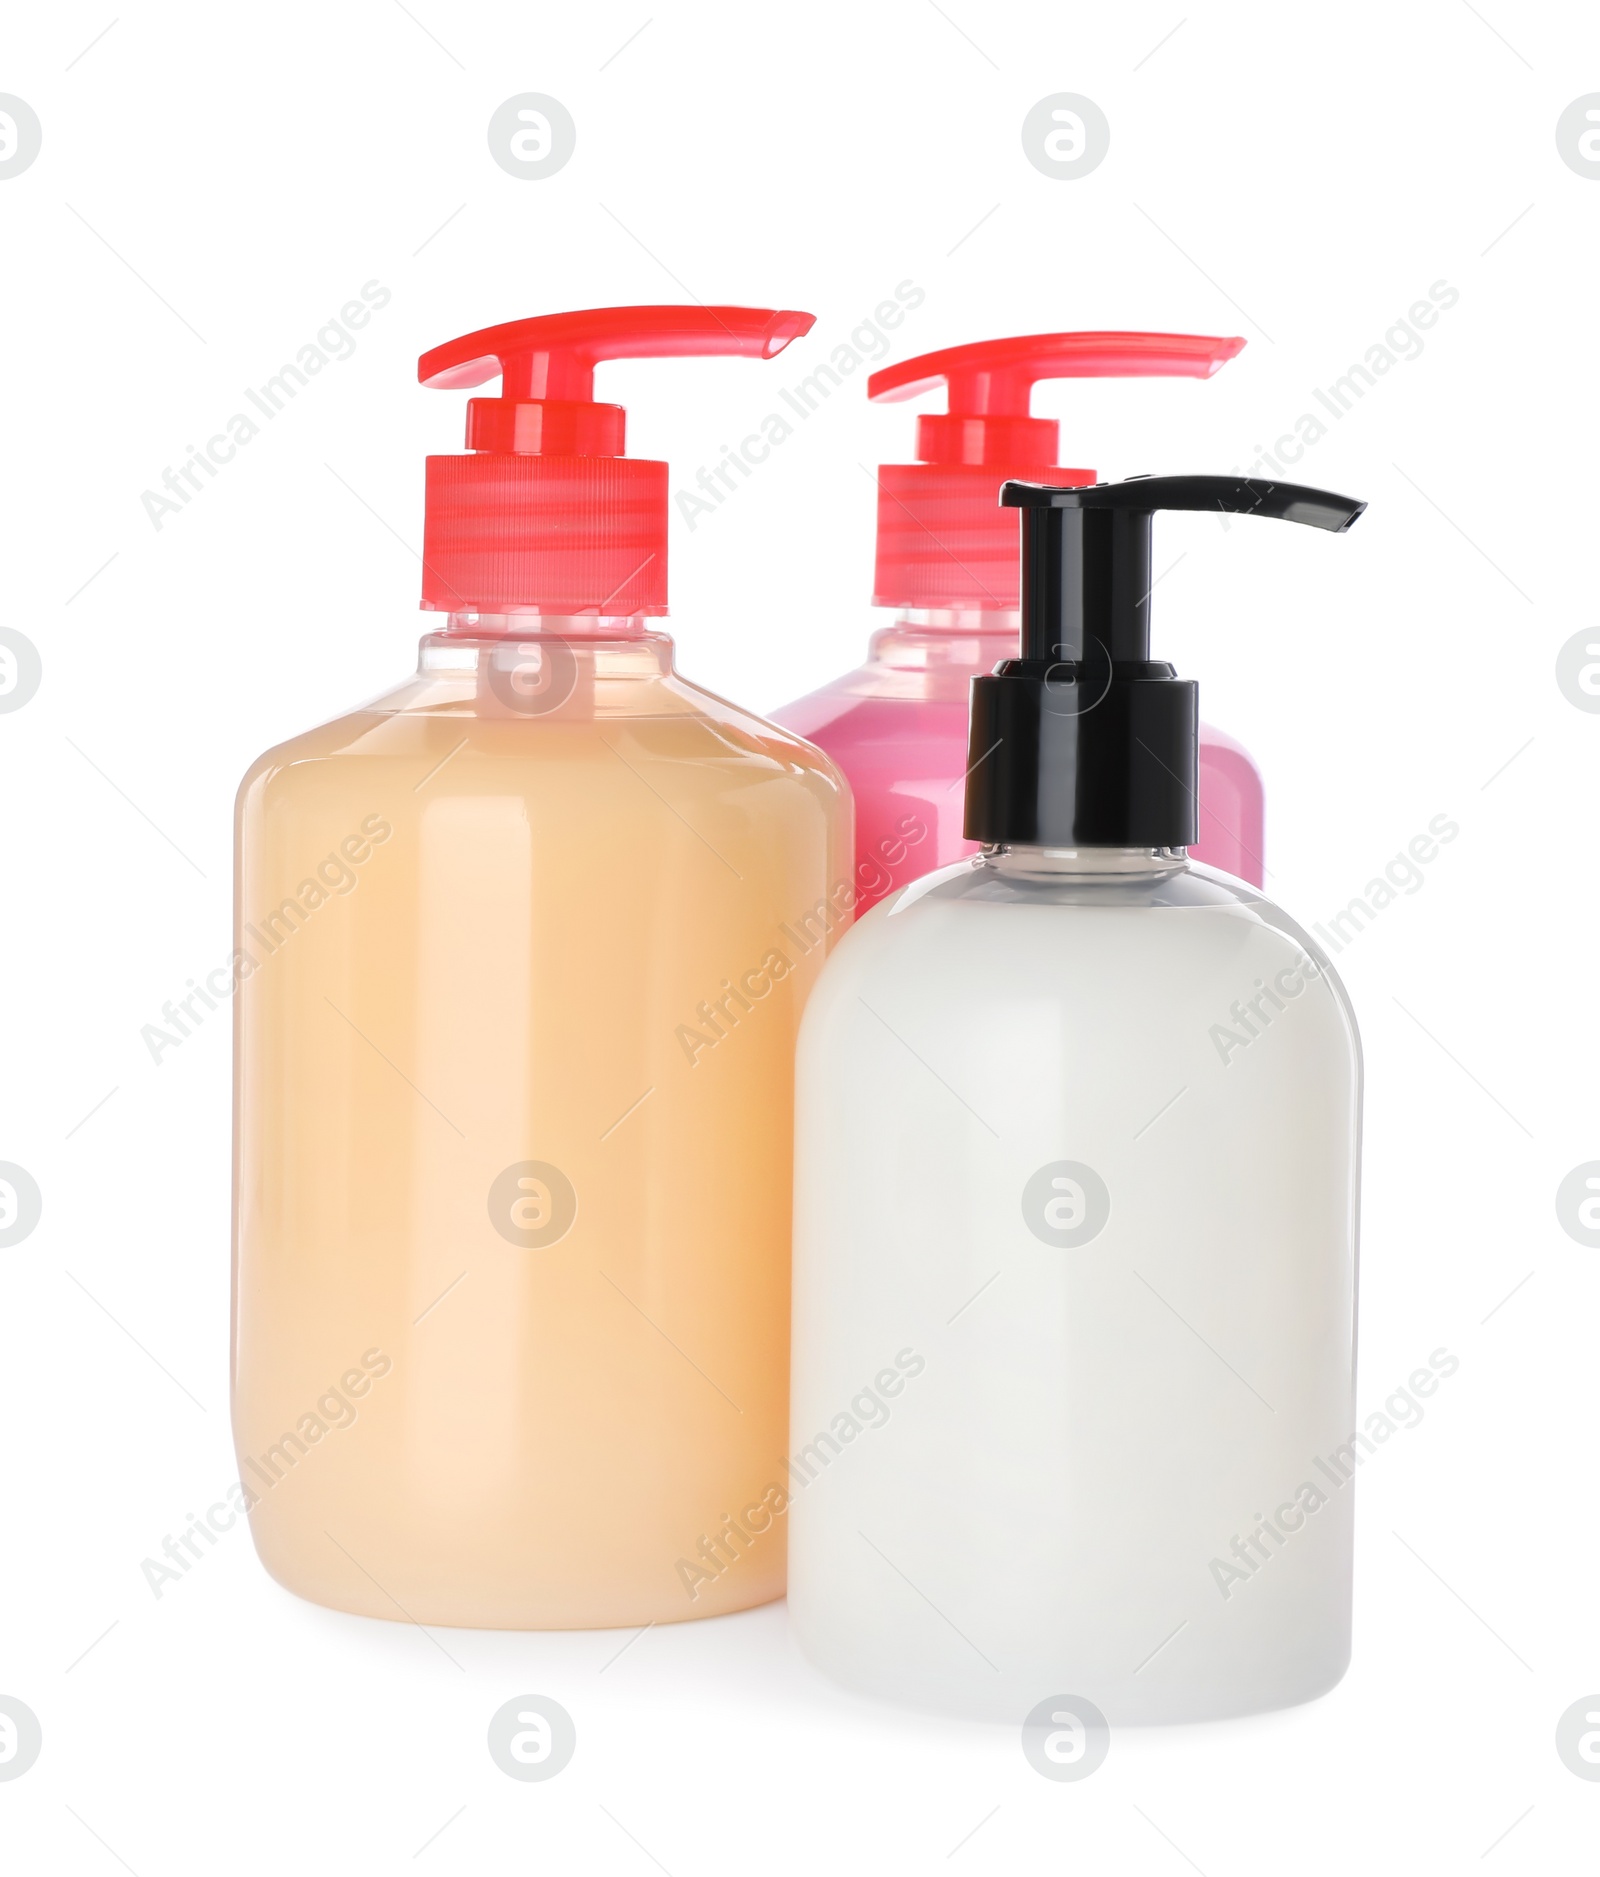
x=521, y=954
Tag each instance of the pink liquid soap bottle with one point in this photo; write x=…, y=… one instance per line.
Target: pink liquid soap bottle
x=947, y=563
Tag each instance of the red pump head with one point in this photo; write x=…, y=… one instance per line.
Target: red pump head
x=547, y=512
x=943, y=540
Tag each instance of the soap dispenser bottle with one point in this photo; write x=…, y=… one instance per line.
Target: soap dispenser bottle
x=522, y=948
x=947, y=565
x=1078, y=1128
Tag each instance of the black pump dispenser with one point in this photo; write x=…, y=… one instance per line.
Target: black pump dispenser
x=1084, y=741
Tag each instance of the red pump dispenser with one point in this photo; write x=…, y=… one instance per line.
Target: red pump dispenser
x=578, y=845
x=943, y=541
x=547, y=514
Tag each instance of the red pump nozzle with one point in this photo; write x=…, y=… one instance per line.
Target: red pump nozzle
x=548, y=513
x=943, y=541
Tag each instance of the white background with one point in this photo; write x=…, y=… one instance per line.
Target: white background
x=214, y=184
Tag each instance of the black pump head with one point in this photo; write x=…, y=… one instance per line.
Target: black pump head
x=1084, y=741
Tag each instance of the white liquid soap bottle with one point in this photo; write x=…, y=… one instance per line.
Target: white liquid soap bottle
x=1076, y=1196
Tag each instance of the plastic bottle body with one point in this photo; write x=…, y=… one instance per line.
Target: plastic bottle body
x=1075, y=1260
x=528, y=943
x=897, y=727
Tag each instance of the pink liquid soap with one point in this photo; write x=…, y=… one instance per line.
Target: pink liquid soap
x=897, y=727
x=947, y=562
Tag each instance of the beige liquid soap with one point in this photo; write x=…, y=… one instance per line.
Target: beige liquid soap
x=523, y=948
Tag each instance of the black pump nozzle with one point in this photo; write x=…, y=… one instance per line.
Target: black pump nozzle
x=1083, y=741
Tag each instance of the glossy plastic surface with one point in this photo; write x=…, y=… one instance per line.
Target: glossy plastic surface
x=528, y=943
x=554, y=354
x=1076, y=1201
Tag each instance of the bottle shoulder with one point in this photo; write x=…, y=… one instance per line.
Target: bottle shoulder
x=785, y=743
x=1219, y=743
x=806, y=716
x=972, y=938
x=1182, y=886
x=680, y=724
x=320, y=744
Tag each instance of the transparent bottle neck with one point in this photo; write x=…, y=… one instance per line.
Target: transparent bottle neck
x=951, y=640
x=547, y=665
x=530, y=624
x=1018, y=860
x=980, y=619
x=545, y=654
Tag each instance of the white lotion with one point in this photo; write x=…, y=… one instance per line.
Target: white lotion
x=1078, y=1124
